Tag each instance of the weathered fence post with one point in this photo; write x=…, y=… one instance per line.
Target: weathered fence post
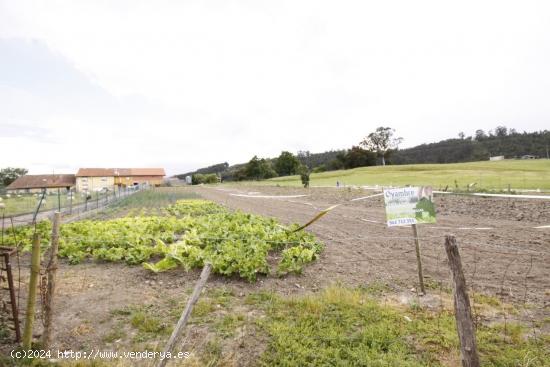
x=3, y=226
x=463, y=313
x=39, y=205
x=178, y=330
x=418, y=259
x=14, y=306
x=50, y=291
x=31, y=300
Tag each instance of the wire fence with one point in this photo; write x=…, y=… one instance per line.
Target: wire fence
x=76, y=209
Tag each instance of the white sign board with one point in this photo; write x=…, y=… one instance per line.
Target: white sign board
x=409, y=205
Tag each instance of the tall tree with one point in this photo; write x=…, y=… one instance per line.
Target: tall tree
x=287, y=164
x=480, y=134
x=501, y=131
x=359, y=157
x=258, y=169
x=10, y=174
x=382, y=141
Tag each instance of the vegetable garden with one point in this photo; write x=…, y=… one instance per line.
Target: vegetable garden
x=191, y=233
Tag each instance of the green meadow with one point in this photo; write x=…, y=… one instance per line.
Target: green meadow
x=486, y=175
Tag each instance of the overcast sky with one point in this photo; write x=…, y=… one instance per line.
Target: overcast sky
x=185, y=84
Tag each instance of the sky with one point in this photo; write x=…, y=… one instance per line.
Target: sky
x=186, y=84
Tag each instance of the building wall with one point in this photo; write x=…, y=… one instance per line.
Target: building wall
x=131, y=180
x=94, y=183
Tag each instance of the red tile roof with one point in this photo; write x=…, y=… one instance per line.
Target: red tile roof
x=42, y=181
x=95, y=172
x=147, y=172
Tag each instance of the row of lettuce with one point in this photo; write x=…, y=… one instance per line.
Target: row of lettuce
x=191, y=233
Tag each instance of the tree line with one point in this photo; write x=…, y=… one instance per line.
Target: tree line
x=376, y=147
x=498, y=142
x=382, y=147
x=8, y=175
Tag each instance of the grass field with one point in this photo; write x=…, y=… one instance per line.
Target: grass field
x=519, y=174
x=16, y=204
x=27, y=203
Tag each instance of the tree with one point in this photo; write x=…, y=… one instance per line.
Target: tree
x=202, y=178
x=359, y=157
x=382, y=142
x=10, y=174
x=338, y=162
x=287, y=164
x=461, y=135
x=480, y=134
x=304, y=175
x=258, y=169
x=501, y=131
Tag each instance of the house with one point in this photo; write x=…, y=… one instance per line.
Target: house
x=496, y=158
x=97, y=179
x=139, y=176
x=37, y=183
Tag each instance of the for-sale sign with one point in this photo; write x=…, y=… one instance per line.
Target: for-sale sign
x=409, y=205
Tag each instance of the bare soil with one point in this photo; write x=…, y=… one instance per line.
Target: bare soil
x=501, y=250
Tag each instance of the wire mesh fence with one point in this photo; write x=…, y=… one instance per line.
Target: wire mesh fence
x=71, y=203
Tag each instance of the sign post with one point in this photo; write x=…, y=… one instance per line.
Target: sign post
x=410, y=206
x=418, y=259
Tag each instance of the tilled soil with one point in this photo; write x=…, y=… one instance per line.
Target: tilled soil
x=502, y=253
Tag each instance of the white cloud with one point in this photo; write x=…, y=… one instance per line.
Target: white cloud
x=186, y=84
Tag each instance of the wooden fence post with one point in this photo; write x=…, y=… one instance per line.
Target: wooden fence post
x=50, y=291
x=418, y=259
x=178, y=330
x=3, y=221
x=463, y=313
x=31, y=300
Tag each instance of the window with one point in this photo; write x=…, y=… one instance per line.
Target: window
x=104, y=179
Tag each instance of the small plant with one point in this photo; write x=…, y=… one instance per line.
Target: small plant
x=146, y=323
x=294, y=259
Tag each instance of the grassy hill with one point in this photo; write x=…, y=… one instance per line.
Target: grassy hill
x=519, y=174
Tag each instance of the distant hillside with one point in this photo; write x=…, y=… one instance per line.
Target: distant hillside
x=478, y=149
x=216, y=168
x=510, y=144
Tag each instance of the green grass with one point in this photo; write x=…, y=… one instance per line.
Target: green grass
x=147, y=202
x=155, y=198
x=337, y=326
x=27, y=203
x=348, y=327
x=519, y=174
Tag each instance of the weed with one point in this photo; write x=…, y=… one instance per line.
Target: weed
x=227, y=325
x=146, y=323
